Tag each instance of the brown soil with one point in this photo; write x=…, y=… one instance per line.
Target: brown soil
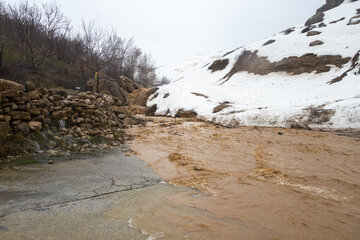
x=140, y=97
x=186, y=114
x=354, y=64
x=221, y=107
x=199, y=95
x=219, y=65
x=281, y=183
x=336, y=21
x=251, y=62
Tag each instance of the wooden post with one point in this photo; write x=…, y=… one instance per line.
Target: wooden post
x=95, y=85
x=1, y=54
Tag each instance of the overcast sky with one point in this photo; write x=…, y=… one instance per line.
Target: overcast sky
x=173, y=30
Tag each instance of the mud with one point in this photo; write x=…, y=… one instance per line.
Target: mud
x=254, y=182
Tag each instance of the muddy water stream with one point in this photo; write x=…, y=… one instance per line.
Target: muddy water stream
x=244, y=183
x=256, y=183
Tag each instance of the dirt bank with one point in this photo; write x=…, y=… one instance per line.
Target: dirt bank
x=281, y=183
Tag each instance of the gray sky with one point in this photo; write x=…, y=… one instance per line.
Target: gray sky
x=173, y=30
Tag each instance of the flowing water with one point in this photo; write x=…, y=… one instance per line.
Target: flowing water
x=256, y=183
x=243, y=183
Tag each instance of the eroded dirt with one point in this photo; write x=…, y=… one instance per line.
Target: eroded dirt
x=260, y=183
x=252, y=63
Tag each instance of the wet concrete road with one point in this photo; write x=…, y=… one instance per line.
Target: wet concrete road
x=66, y=200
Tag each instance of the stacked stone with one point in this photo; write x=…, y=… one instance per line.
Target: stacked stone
x=89, y=110
x=25, y=108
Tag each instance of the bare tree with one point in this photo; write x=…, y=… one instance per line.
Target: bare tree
x=35, y=29
x=100, y=47
x=146, y=71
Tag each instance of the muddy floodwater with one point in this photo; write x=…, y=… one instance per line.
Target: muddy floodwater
x=192, y=180
x=255, y=183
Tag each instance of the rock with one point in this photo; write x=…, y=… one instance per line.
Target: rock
x=51, y=152
x=39, y=118
x=23, y=129
x=16, y=122
x=288, y=31
x=4, y=129
x=313, y=33
x=121, y=116
x=14, y=106
x=33, y=95
x=43, y=92
x=60, y=114
x=316, y=43
x=150, y=111
x=94, y=131
x=44, y=111
x=29, y=86
x=185, y=114
x=80, y=120
x=330, y=4
x=11, y=93
x=35, y=126
x=35, y=111
x=7, y=118
x=269, y=42
x=20, y=115
x=22, y=108
x=319, y=15
x=354, y=20
x=219, y=65
x=308, y=28
x=6, y=110
x=50, y=161
x=7, y=85
x=316, y=18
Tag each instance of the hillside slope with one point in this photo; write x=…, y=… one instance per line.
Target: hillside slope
x=305, y=76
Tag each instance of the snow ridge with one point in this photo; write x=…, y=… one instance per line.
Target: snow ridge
x=278, y=98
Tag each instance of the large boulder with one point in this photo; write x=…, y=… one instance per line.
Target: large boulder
x=330, y=4
x=316, y=18
x=319, y=15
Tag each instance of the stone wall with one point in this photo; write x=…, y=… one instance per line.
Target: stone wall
x=24, y=109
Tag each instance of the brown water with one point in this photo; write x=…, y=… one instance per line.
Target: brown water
x=255, y=183
x=154, y=213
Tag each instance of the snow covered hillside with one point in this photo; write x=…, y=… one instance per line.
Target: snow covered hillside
x=306, y=76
